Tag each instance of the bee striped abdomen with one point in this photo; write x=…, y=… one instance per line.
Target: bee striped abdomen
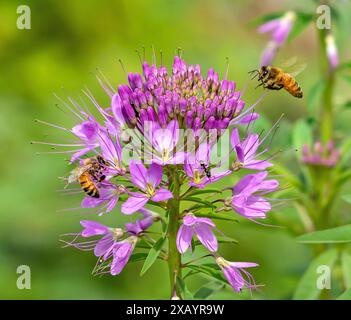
x=292, y=86
x=88, y=185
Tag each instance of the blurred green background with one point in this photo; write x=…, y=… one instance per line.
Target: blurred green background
x=68, y=40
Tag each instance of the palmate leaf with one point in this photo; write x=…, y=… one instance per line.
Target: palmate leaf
x=307, y=288
x=346, y=269
x=335, y=235
x=152, y=255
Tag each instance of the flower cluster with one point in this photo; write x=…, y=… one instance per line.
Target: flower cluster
x=279, y=29
x=323, y=156
x=147, y=116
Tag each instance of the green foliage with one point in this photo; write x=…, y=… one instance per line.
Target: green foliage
x=340, y=234
x=302, y=21
x=314, y=95
x=307, y=288
x=346, y=269
x=302, y=134
x=152, y=255
x=185, y=292
x=345, y=296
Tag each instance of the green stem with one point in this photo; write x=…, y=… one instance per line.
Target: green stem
x=174, y=258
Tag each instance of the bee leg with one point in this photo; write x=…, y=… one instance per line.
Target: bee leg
x=260, y=84
x=253, y=74
x=102, y=178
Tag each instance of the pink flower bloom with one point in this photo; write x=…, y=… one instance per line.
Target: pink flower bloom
x=198, y=168
x=279, y=29
x=121, y=254
x=201, y=227
x=236, y=274
x=147, y=180
x=246, y=152
x=320, y=155
x=109, y=196
x=164, y=141
x=248, y=195
x=87, y=132
x=332, y=52
x=141, y=225
x=111, y=151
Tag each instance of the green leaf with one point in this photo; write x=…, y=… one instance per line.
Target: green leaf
x=219, y=216
x=315, y=95
x=205, y=291
x=346, y=104
x=220, y=240
x=199, y=200
x=265, y=18
x=212, y=272
x=347, y=198
x=152, y=255
x=139, y=256
x=307, y=287
x=184, y=291
x=301, y=23
x=200, y=191
x=344, y=66
x=346, y=269
x=302, y=134
x=345, y=296
x=335, y=235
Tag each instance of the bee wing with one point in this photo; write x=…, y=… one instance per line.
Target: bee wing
x=298, y=69
x=292, y=67
x=289, y=63
x=77, y=172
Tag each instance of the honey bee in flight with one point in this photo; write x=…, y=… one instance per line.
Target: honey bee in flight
x=274, y=78
x=88, y=174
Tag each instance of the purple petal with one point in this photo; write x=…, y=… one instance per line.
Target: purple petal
x=121, y=256
x=85, y=131
x=116, y=106
x=269, y=26
x=184, y=238
x=206, y=236
x=257, y=165
x=249, y=118
x=134, y=204
x=154, y=175
x=161, y=195
x=235, y=138
x=104, y=245
x=93, y=228
x=138, y=174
